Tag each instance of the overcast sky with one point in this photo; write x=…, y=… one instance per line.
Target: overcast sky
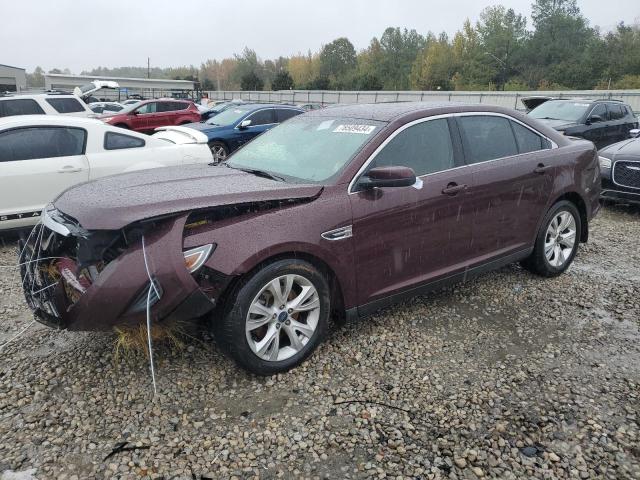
x=80, y=35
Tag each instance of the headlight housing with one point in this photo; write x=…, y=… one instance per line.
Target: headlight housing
x=194, y=258
x=604, y=162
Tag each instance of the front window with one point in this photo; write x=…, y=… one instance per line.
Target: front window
x=560, y=110
x=307, y=149
x=229, y=116
x=148, y=108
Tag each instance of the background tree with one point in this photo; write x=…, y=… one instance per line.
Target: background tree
x=282, y=81
x=434, y=68
x=251, y=82
x=398, y=51
x=337, y=59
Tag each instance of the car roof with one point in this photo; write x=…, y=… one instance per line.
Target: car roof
x=55, y=120
x=386, y=112
x=32, y=95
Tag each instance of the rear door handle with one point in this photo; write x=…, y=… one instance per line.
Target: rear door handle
x=69, y=169
x=453, y=189
x=541, y=168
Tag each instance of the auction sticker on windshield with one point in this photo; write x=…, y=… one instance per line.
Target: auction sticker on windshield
x=363, y=129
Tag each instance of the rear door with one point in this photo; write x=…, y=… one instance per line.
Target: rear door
x=617, y=119
x=513, y=170
x=36, y=164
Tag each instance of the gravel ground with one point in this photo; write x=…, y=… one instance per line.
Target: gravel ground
x=508, y=376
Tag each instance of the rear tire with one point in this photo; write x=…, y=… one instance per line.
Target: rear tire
x=264, y=338
x=557, y=241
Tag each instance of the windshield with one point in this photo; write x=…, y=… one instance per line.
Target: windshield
x=229, y=116
x=560, y=110
x=308, y=149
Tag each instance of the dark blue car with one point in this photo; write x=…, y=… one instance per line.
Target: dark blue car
x=236, y=126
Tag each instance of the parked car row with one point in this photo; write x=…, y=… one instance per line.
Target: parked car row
x=339, y=211
x=42, y=155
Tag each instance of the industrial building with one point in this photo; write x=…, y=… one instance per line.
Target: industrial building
x=12, y=79
x=144, y=87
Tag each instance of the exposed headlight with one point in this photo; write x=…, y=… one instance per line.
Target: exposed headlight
x=196, y=257
x=604, y=162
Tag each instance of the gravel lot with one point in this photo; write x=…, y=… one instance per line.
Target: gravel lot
x=508, y=376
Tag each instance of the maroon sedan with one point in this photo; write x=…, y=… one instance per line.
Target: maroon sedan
x=336, y=212
x=148, y=115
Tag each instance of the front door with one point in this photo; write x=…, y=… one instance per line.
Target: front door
x=261, y=121
x=406, y=236
x=37, y=164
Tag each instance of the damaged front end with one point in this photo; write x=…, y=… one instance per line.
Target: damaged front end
x=94, y=280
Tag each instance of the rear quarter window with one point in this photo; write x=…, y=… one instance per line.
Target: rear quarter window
x=119, y=141
x=527, y=140
x=65, y=105
x=20, y=106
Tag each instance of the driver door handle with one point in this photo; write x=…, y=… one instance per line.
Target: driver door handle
x=453, y=188
x=541, y=168
x=69, y=169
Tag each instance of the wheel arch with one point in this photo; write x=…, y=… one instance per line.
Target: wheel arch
x=335, y=287
x=578, y=201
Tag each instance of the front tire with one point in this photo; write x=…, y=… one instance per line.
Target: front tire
x=219, y=151
x=276, y=318
x=557, y=241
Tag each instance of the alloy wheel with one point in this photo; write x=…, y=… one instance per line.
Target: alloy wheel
x=219, y=153
x=560, y=238
x=283, y=317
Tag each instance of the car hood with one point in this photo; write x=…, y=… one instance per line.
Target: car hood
x=207, y=128
x=114, y=202
x=559, y=125
x=624, y=150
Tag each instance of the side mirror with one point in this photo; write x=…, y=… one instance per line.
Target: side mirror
x=388, y=177
x=244, y=124
x=594, y=119
x=634, y=133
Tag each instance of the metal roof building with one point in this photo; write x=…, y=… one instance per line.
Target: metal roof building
x=147, y=87
x=12, y=79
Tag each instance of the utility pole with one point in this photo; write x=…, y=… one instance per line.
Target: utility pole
x=148, y=67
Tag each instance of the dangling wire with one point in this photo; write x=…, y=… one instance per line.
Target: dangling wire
x=152, y=287
x=16, y=335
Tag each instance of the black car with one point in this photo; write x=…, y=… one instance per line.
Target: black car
x=620, y=170
x=602, y=121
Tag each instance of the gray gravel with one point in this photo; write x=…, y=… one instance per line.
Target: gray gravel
x=508, y=376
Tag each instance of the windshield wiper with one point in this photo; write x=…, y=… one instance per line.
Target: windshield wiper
x=259, y=173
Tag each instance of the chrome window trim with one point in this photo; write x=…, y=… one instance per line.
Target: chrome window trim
x=613, y=173
x=365, y=165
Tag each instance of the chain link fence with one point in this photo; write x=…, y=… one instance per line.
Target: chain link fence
x=503, y=99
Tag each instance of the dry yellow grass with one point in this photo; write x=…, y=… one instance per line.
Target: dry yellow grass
x=132, y=341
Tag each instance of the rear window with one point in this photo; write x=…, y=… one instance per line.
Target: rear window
x=65, y=105
x=20, y=106
x=41, y=142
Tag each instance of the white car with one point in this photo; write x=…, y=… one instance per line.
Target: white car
x=42, y=155
x=44, y=104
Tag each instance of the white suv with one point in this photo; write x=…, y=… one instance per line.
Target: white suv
x=44, y=103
